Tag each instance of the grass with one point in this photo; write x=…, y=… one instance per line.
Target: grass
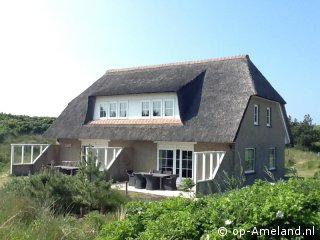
x=4, y=177
x=305, y=162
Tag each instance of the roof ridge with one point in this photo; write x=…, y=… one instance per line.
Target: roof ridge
x=178, y=63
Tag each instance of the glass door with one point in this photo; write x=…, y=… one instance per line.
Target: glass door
x=183, y=163
x=178, y=161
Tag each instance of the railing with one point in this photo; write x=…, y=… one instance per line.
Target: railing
x=22, y=154
x=105, y=156
x=206, y=165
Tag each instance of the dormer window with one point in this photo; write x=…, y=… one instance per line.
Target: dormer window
x=103, y=110
x=123, y=108
x=168, y=108
x=145, y=109
x=156, y=108
x=151, y=107
x=113, y=110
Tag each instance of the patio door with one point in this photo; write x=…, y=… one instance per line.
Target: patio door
x=176, y=160
x=184, y=163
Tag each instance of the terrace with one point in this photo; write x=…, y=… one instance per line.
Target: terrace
x=30, y=158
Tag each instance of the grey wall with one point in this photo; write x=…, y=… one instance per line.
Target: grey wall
x=261, y=138
x=70, y=150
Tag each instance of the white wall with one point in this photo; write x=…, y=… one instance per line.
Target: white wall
x=134, y=103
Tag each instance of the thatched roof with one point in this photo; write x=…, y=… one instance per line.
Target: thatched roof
x=213, y=95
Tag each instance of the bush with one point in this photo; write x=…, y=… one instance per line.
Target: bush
x=264, y=205
x=64, y=193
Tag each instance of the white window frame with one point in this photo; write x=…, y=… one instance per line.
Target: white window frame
x=119, y=109
x=256, y=114
x=246, y=171
x=161, y=108
x=273, y=149
x=268, y=116
x=184, y=146
x=164, y=108
x=109, y=110
x=141, y=108
x=105, y=106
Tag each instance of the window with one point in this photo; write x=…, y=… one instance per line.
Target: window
x=168, y=108
x=268, y=117
x=123, y=106
x=113, y=110
x=256, y=114
x=249, y=160
x=177, y=160
x=156, y=108
x=103, y=110
x=272, y=158
x=145, y=109
x=166, y=160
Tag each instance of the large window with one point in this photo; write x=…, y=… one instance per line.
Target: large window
x=256, y=114
x=186, y=163
x=103, y=110
x=145, y=109
x=272, y=158
x=249, y=160
x=166, y=160
x=268, y=117
x=168, y=108
x=123, y=106
x=113, y=110
x=156, y=108
x=177, y=160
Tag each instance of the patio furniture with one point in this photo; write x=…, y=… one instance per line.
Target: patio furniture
x=156, y=171
x=160, y=176
x=167, y=172
x=153, y=183
x=131, y=177
x=140, y=181
x=169, y=183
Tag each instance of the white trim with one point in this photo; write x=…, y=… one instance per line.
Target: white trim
x=119, y=110
x=174, y=146
x=268, y=117
x=161, y=108
x=95, y=142
x=105, y=108
x=145, y=101
x=256, y=114
x=109, y=106
x=164, y=107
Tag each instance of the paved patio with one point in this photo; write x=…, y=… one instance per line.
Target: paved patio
x=166, y=193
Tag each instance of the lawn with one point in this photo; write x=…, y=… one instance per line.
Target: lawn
x=306, y=162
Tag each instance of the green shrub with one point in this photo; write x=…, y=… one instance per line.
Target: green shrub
x=187, y=184
x=64, y=193
x=264, y=205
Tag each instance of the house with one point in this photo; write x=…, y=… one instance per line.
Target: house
x=197, y=119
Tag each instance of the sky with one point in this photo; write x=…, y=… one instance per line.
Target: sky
x=51, y=51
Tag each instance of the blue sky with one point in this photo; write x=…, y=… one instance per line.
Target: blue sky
x=51, y=51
